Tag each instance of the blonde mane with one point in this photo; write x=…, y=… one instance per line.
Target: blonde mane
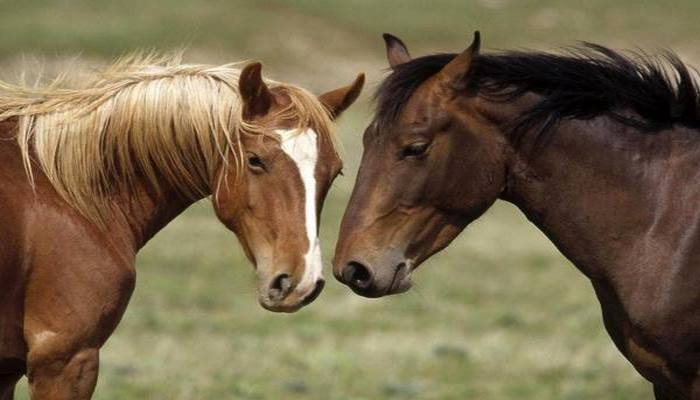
x=144, y=118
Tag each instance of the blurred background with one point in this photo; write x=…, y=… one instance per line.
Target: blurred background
x=498, y=315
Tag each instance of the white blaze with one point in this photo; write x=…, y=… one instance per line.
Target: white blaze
x=302, y=148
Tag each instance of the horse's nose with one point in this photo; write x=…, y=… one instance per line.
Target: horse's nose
x=357, y=275
x=280, y=287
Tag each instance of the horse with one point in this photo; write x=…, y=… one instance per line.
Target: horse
x=88, y=174
x=600, y=149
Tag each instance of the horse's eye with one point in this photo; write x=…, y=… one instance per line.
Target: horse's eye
x=255, y=163
x=415, y=149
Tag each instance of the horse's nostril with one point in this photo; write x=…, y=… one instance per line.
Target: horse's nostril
x=279, y=287
x=357, y=275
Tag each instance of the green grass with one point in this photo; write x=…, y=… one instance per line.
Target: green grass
x=272, y=27
x=498, y=315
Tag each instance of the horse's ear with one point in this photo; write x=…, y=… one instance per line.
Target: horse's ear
x=338, y=100
x=255, y=94
x=455, y=73
x=396, y=51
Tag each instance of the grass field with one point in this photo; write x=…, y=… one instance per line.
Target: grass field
x=498, y=315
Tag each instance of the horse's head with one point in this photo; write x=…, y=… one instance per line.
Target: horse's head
x=284, y=171
x=431, y=164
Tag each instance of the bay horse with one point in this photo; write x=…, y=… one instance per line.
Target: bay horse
x=88, y=175
x=599, y=149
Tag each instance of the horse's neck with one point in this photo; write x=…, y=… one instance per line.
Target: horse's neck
x=142, y=213
x=135, y=216
x=607, y=195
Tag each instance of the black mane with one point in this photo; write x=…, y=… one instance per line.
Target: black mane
x=582, y=83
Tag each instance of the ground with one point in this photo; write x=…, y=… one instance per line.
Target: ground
x=499, y=314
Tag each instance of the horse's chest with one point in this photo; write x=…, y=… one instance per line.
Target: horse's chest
x=12, y=344
x=669, y=372
x=12, y=278
x=655, y=353
x=646, y=360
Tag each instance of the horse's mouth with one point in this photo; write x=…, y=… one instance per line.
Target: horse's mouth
x=293, y=301
x=401, y=280
x=314, y=294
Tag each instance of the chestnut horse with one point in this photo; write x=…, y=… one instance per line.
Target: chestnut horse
x=599, y=149
x=89, y=175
